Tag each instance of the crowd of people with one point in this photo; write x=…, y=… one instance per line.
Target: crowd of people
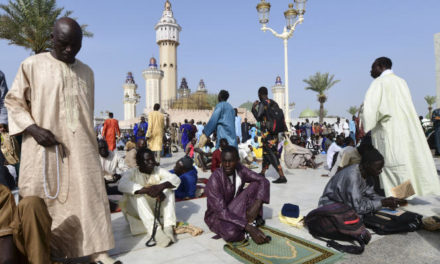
x=66, y=168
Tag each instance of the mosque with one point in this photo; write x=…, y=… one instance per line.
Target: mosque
x=161, y=82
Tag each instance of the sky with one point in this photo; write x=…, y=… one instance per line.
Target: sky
x=222, y=43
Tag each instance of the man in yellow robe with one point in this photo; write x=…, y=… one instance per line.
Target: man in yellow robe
x=396, y=132
x=51, y=103
x=155, y=133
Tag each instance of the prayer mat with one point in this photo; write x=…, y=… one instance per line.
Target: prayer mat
x=284, y=248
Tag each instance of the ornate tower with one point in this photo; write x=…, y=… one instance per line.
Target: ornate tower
x=184, y=91
x=131, y=98
x=278, y=91
x=153, y=77
x=167, y=37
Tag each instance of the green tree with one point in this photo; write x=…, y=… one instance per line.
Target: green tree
x=430, y=100
x=353, y=110
x=29, y=23
x=212, y=99
x=247, y=105
x=325, y=112
x=320, y=83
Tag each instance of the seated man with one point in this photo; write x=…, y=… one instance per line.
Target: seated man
x=247, y=155
x=202, y=158
x=130, y=157
x=354, y=186
x=233, y=209
x=24, y=229
x=142, y=187
x=297, y=157
x=334, y=147
x=112, y=164
x=131, y=144
x=216, y=155
x=188, y=178
x=349, y=155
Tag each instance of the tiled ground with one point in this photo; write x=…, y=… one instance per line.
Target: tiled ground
x=303, y=188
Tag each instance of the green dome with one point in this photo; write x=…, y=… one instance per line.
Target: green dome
x=308, y=113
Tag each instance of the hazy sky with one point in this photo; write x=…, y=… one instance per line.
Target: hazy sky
x=222, y=43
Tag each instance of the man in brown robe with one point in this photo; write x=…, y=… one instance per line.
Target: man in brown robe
x=52, y=103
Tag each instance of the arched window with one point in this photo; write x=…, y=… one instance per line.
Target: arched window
x=164, y=65
x=171, y=65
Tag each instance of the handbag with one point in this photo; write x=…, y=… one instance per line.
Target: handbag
x=385, y=222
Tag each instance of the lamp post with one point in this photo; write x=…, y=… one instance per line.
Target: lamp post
x=294, y=16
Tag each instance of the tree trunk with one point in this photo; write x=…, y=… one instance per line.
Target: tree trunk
x=430, y=112
x=321, y=112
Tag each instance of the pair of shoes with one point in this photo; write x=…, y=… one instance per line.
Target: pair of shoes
x=431, y=223
x=280, y=180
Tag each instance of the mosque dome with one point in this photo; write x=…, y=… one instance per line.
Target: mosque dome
x=278, y=81
x=153, y=62
x=308, y=113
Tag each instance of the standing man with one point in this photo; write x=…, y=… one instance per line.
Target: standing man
x=269, y=139
x=308, y=128
x=185, y=131
x=52, y=102
x=338, y=126
x=155, y=132
x=222, y=121
x=435, y=118
x=245, y=127
x=237, y=125
x=396, y=132
x=110, y=131
x=352, y=126
x=140, y=129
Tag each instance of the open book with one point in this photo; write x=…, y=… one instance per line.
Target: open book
x=403, y=190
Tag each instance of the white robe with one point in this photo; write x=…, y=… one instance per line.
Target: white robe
x=139, y=209
x=331, y=152
x=396, y=132
x=112, y=164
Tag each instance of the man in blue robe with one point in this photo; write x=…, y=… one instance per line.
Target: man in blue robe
x=185, y=129
x=188, y=178
x=222, y=121
x=140, y=129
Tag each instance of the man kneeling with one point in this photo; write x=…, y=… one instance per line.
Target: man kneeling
x=233, y=209
x=144, y=185
x=357, y=186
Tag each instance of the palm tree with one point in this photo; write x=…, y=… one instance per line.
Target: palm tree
x=320, y=83
x=353, y=110
x=28, y=23
x=430, y=100
x=212, y=99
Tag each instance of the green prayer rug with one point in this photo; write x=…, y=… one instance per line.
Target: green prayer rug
x=284, y=248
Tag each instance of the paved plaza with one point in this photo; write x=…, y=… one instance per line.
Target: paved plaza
x=304, y=188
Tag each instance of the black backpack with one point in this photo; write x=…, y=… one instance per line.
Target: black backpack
x=383, y=223
x=275, y=122
x=338, y=221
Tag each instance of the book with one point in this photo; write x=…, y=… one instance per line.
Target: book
x=403, y=190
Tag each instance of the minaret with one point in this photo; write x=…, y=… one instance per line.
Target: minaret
x=167, y=37
x=201, y=88
x=131, y=98
x=184, y=91
x=278, y=91
x=153, y=77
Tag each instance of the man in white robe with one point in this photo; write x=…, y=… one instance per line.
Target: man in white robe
x=142, y=187
x=111, y=161
x=396, y=132
x=51, y=103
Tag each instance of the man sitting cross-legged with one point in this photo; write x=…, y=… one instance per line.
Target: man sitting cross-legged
x=232, y=209
x=142, y=186
x=188, y=178
x=355, y=186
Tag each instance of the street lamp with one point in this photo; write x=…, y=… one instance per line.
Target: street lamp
x=294, y=16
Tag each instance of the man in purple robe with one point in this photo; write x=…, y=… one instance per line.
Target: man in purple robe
x=232, y=209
